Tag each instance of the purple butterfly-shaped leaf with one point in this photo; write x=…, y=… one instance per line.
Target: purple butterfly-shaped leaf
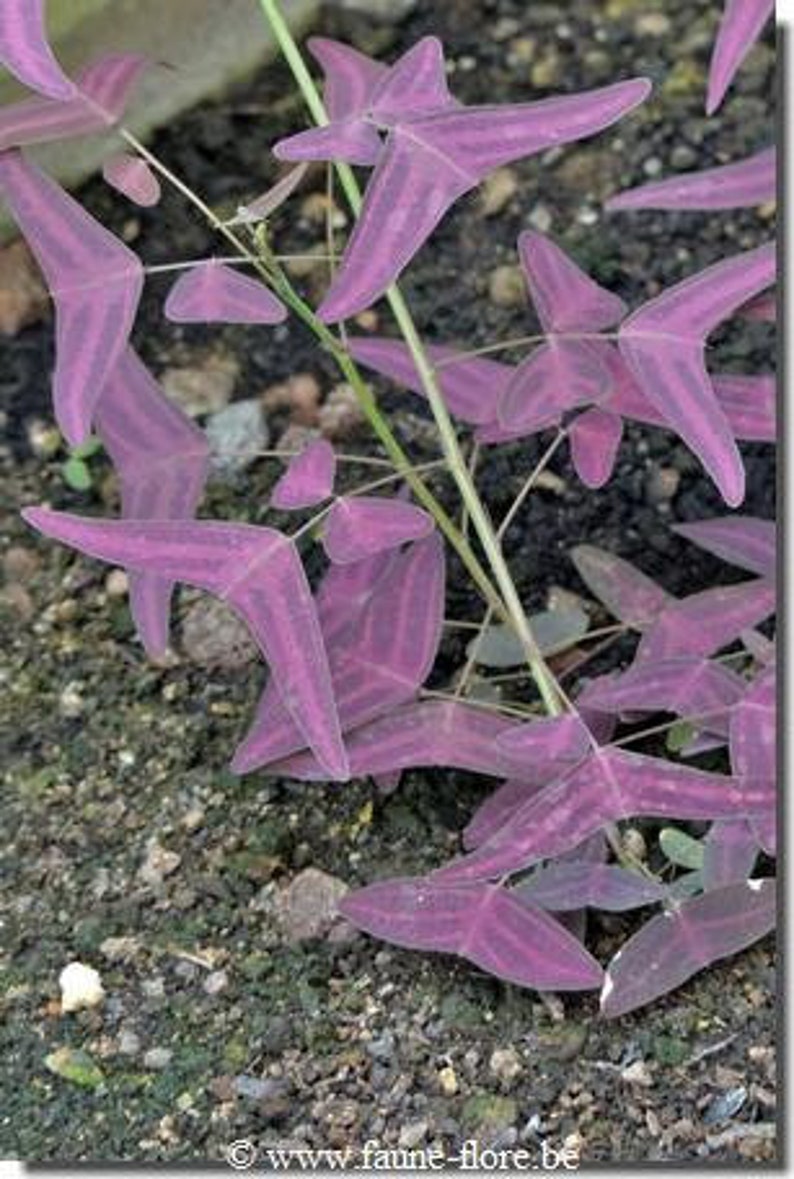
x=729, y=853
x=688, y=686
x=430, y=733
x=94, y=279
x=133, y=178
x=664, y=344
x=742, y=185
x=214, y=293
x=470, y=387
x=360, y=526
x=487, y=925
x=566, y=885
x=630, y=595
x=741, y=26
x=608, y=786
x=753, y=751
x=381, y=620
x=430, y=161
x=162, y=460
x=745, y=541
x=363, y=95
x=702, y=623
x=98, y=100
x=557, y=376
x=25, y=51
x=672, y=947
x=258, y=572
x=309, y=478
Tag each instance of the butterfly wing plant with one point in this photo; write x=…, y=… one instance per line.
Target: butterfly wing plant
x=350, y=661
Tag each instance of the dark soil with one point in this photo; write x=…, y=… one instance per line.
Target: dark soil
x=339, y=1040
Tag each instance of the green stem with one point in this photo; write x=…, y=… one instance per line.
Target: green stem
x=448, y=437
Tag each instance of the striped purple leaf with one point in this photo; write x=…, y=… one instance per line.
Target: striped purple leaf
x=742, y=22
x=258, y=572
x=630, y=595
x=703, y=623
x=25, y=50
x=742, y=185
x=664, y=343
x=688, y=686
x=745, y=541
x=566, y=885
x=608, y=786
x=214, y=293
x=678, y=943
x=98, y=100
x=485, y=924
x=381, y=620
x=429, y=161
x=162, y=460
x=360, y=526
x=309, y=478
x=94, y=279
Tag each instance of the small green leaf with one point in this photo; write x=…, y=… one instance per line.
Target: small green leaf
x=85, y=450
x=72, y=1064
x=76, y=474
x=681, y=849
x=679, y=735
x=554, y=631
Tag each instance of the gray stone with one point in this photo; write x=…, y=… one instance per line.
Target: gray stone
x=236, y=434
x=157, y=1058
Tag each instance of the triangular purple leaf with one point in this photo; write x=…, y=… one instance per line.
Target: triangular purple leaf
x=608, y=786
x=672, y=947
x=630, y=595
x=309, y=478
x=214, y=293
x=258, y=572
x=95, y=280
x=566, y=885
x=703, y=623
x=729, y=853
x=487, y=925
x=381, y=645
x=360, y=526
x=664, y=343
x=595, y=439
x=98, y=101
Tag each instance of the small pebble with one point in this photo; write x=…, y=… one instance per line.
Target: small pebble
x=80, y=986
x=497, y=191
x=20, y=564
x=157, y=1058
x=412, y=1134
x=216, y=982
x=117, y=584
x=541, y=218
x=506, y=287
x=70, y=703
x=505, y=1064
x=448, y=1081
x=129, y=1043
x=652, y=24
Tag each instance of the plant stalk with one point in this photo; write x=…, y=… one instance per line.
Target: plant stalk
x=449, y=441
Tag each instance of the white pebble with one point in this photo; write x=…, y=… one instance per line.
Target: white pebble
x=80, y=986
